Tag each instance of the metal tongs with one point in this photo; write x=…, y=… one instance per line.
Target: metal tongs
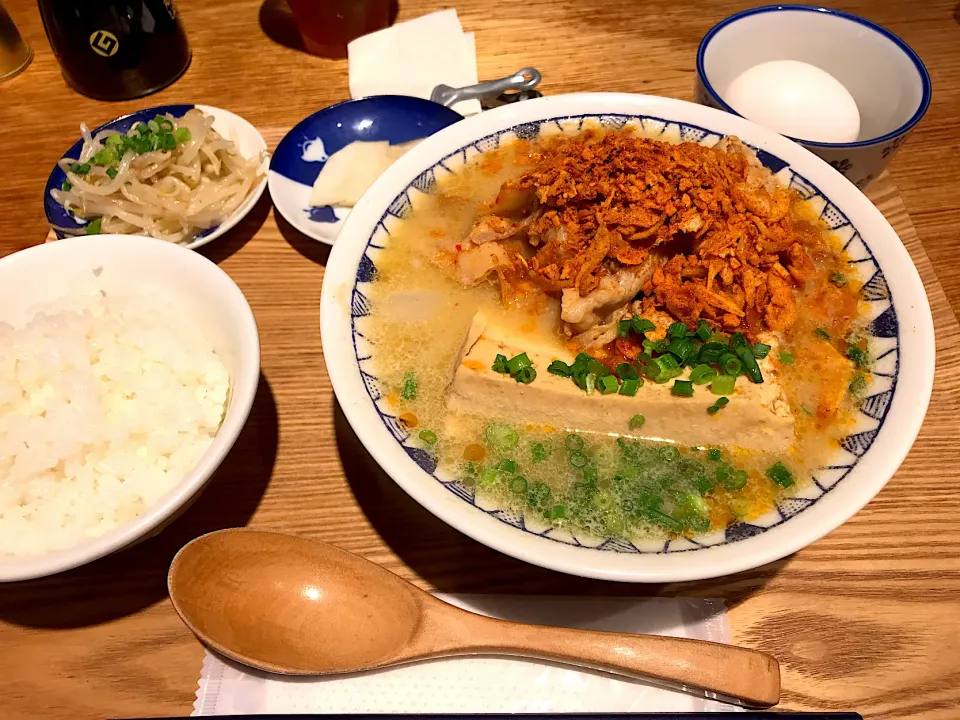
x=492, y=93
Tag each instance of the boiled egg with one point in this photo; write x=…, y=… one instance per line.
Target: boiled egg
x=796, y=99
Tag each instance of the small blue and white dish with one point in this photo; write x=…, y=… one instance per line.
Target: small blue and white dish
x=884, y=75
x=230, y=126
x=304, y=150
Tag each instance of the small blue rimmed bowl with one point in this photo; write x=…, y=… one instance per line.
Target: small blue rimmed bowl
x=302, y=153
x=885, y=77
x=230, y=126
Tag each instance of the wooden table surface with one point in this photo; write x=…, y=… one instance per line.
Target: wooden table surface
x=865, y=619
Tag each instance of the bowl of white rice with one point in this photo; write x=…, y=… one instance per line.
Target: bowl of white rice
x=128, y=367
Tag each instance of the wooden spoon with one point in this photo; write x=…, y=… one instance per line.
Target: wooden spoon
x=301, y=607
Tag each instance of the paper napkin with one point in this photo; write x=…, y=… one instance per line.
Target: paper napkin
x=484, y=684
x=413, y=57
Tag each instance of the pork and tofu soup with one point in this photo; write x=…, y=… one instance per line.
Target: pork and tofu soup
x=620, y=336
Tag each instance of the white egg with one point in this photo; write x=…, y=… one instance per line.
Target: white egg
x=796, y=99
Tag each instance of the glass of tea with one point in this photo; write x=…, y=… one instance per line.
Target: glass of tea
x=326, y=26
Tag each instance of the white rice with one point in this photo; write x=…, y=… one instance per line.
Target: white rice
x=106, y=403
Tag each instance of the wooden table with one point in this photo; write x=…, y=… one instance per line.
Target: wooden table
x=864, y=619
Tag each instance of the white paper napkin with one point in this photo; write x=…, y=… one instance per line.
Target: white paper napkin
x=484, y=684
x=413, y=57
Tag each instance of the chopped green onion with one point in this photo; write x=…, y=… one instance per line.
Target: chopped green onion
x=626, y=371
x=80, y=168
x=683, y=348
x=702, y=374
x=540, y=494
x=598, y=368
x=787, y=358
x=857, y=385
x=735, y=480
x=682, y=388
x=410, y=387
x=501, y=436
x=488, y=476
x=573, y=442
x=750, y=364
x=838, y=279
x=629, y=387
x=607, y=385
x=166, y=141
x=111, y=172
x=660, y=346
x=860, y=358
x=704, y=484
x=538, y=452
x=500, y=364
x=590, y=383
x=525, y=375
x=821, y=333
x=737, y=340
x=163, y=123
x=557, y=367
x=642, y=325
x=703, y=331
x=113, y=141
x=578, y=459
x=731, y=364
x=623, y=328
x=183, y=134
x=677, y=330
x=152, y=125
x=141, y=128
x=664, y=519
x=558, y=512
x=65, y=185
x=648, y=366
x=723, y=385
x=104, y=156
x=507, y=466
x=669, y=368
x=518, y=485
x=518, y=362
x=714, y=454
x=93, y=228
x=637, y=421
x=761, y=350
x=710, y=353
x=428, y=436
x=780, y=474
x=696, y=523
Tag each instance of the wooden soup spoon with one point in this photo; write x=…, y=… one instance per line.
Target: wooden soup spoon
x=296, y=606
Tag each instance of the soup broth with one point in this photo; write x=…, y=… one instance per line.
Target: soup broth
x=568, y=462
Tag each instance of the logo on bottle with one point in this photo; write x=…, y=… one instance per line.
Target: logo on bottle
x=104, y=43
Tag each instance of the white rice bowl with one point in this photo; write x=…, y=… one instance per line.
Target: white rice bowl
x=127, y=369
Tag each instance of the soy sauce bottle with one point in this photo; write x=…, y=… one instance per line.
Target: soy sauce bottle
x=116, y=49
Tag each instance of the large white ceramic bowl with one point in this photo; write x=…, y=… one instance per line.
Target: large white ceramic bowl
x=46, y=272
x=901, y=338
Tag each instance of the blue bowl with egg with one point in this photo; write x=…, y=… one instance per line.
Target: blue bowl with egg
x=303, y=153
x=846, y=89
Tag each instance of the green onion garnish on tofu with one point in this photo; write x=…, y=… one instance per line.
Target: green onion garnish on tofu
x=682, y=388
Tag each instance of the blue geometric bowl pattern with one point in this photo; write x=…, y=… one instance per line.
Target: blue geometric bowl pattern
x=883, y=337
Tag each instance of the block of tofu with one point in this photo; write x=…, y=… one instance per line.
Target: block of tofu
x=757, y=417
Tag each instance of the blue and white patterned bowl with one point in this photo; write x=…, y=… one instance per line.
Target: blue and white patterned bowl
x=901, y=337
x=886, y=78
x=302, y=153
x=232, y=127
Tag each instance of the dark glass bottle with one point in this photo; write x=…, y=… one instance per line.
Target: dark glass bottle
x=116, y=49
